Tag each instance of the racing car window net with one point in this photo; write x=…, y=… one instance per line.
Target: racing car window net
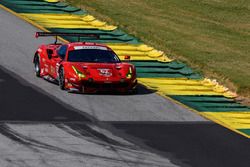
x=62, y=51
x=93, y=56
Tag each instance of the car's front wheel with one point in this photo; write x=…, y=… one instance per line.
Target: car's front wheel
x=133, y=91
x=61, y=79
x=37, y=66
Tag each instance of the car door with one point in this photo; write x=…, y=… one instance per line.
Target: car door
x=56, y=59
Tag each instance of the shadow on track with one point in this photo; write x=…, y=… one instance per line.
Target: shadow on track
x=196, y=144
x=20, y=102
x=140, y=90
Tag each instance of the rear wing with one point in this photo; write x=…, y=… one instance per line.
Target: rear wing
x=56, y=34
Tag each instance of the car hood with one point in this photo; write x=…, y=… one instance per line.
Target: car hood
x=102, y=71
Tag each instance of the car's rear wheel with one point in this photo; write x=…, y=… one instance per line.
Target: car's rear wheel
x=61, y=79
x=37, y=66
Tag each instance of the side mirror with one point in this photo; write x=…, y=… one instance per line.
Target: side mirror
x=51, y=54
x=127, y=58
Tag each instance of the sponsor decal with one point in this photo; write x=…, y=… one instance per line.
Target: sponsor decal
x=57, y=68
x=52, y=69
x=72, y=79
x=105, y=72
x=90, y=47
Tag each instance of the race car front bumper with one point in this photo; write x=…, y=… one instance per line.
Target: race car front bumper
x=91, y=86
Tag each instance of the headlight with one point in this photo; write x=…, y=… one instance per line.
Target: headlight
x=130, y=72
x=78, y=73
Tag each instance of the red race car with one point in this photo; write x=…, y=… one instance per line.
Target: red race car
x=83, y=67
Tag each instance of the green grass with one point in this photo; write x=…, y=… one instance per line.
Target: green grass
x=210, y=35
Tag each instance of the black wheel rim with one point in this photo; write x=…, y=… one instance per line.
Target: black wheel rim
x=37, y=68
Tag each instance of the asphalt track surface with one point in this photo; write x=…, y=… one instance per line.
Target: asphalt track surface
x=149, y=130
x=35, y=130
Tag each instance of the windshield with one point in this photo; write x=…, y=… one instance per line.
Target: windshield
x=93, y=56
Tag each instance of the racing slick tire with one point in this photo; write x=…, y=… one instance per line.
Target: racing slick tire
x=61, y=79
x=133, y=91
x=37, y=66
